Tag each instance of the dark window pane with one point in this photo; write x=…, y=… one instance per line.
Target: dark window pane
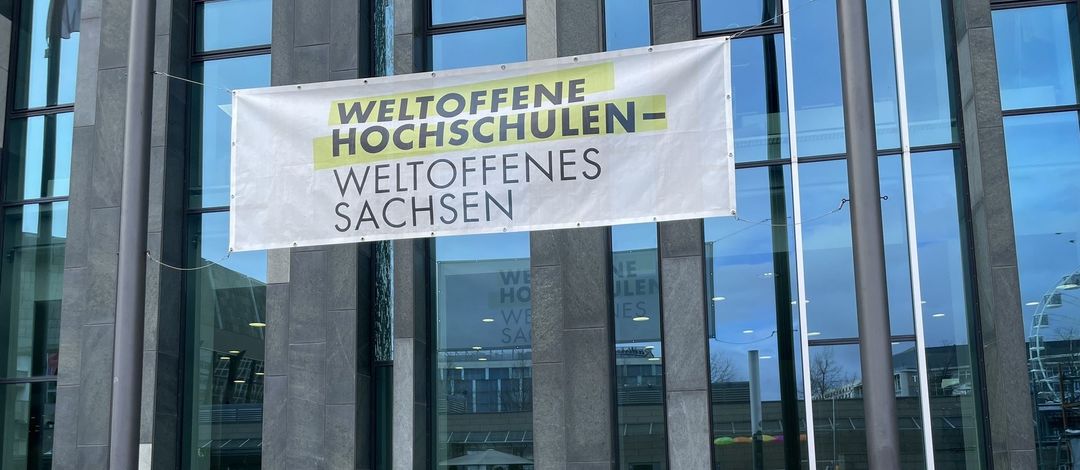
x=483, y=309
x=1044, y=174
x=720, y=15
x=227, y=24
x=829, y=265
x=639, y=370
x=208, y=167
x=37, y=157
x=1035, y=51
x=626, y=24
x=499, y=46
x=750, y=271
x=48, y=50
x=226, y=320
x=759, y=98
x=31, y=285
x=457, y=11
x=27, y=426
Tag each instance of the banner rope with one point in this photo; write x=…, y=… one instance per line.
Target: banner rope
x=188, y=80
x=746, y=342
x=843, y=202
x=208, y=264
x=770, y=20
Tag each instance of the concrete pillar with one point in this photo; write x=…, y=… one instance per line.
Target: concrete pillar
x=1001, y=334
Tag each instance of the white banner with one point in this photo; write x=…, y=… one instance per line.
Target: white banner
x=639, y=135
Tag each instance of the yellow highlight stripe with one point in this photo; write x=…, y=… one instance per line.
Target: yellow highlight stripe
x=598, y=78
x=323, y=151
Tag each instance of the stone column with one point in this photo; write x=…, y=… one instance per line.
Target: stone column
x=81, y=435
x=572, y=321
x=316, y=398
x=1004, y=349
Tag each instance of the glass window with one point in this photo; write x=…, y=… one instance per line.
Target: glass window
x=759, y=98
x=1044, y=175
x=827, y=250
x=1035, y=51
x=48, y=53
x=723, y=15
x=226, y=320
x=928, y=63
x=31, y=284
x=483, y=306
x=750, y=271
x=37, y=160
x=946, y=309
x=626, y=24
x=499, y=46
x=208, y=167
x=819, y=105
x=483, y=325
x=931, y=116
x=883, y=73
x=228, y=24
x=639, y=368
x=457, y=11
x=839, y=426
x=26, y=433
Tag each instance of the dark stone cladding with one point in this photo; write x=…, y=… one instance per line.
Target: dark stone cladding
x=1011, y=438
x=318, y=382
x=87, y=322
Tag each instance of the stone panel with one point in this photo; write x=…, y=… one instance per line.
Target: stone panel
x=1002, y=334
x=540, y=29
x=549, y=416
x=307, y=297
x=688, y=430
x=672, y=21
x=683, y=298
x=580, y=26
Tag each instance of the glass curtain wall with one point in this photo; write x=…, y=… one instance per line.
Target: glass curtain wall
x=224, y=298
x=639, y=368
x=482, y=295
x=36, y=169
x=1037, y=67
x=751, y=274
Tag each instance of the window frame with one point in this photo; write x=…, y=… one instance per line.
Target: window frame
x=11, y=114
x=185, y=414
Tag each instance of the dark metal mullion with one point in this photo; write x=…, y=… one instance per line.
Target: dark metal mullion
x=843, y=156
x=462, y=26
x=206, y=210
x=247, y=51
x=1010, y=4
x=855, y=340
x=28, y=380
x=42, y=111
x=27, y=202
x=1041, y=110
x=745, y=32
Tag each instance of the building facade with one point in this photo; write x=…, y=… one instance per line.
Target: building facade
x=723, y=343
